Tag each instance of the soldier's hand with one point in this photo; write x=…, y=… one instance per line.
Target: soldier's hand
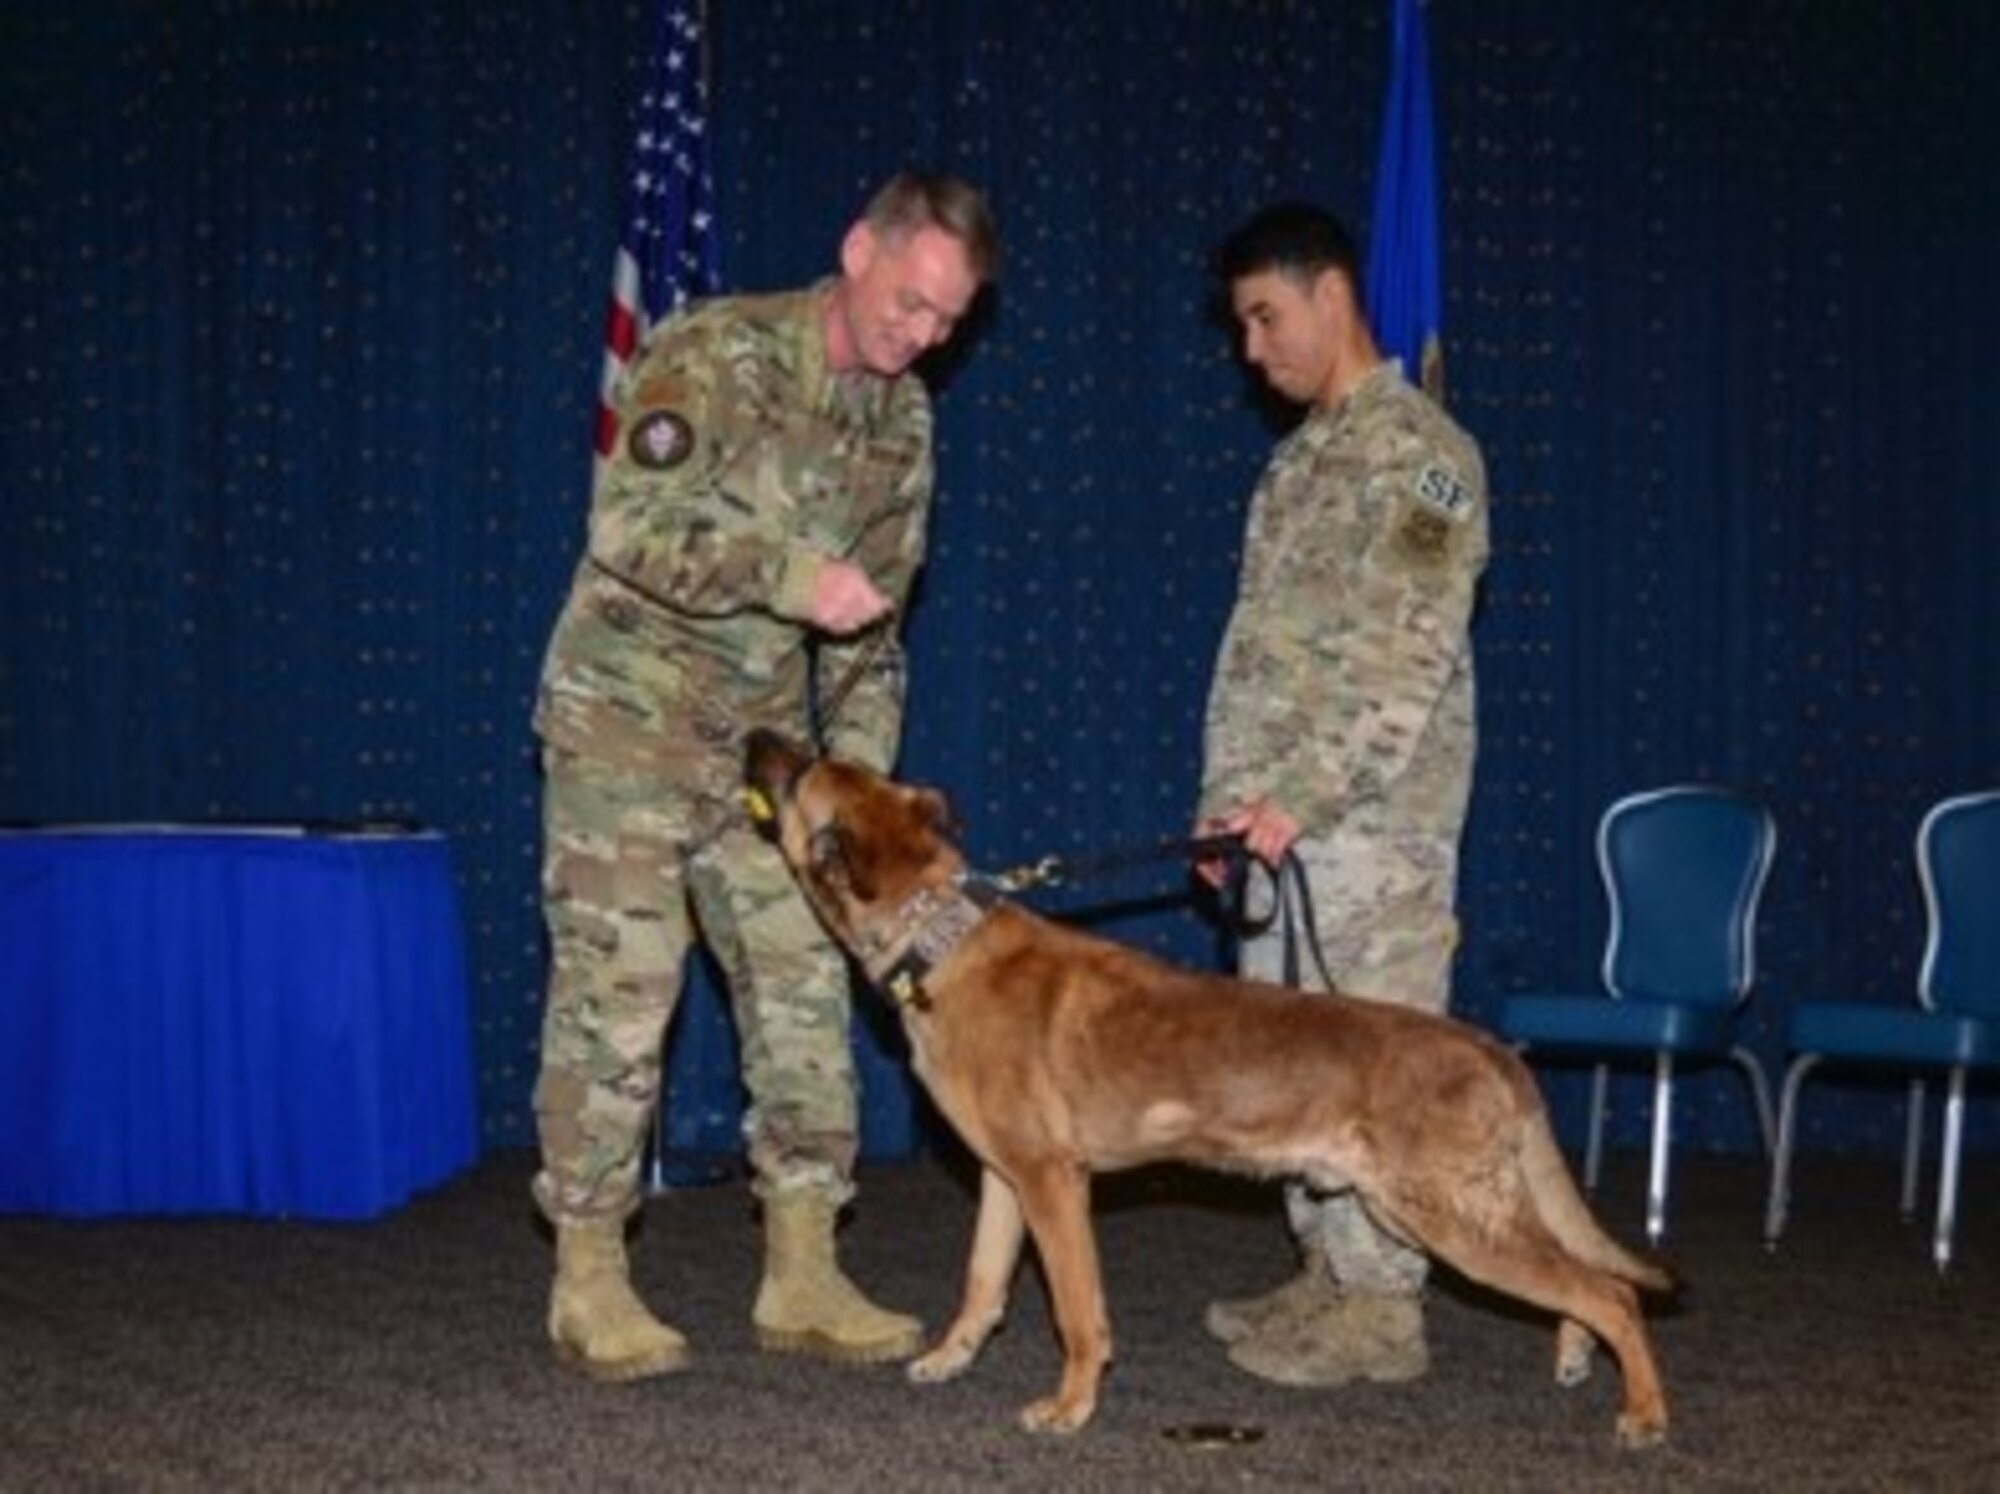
x=1267, y=831
x=845, y=600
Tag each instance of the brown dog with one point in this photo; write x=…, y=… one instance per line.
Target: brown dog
x=1056, y=1055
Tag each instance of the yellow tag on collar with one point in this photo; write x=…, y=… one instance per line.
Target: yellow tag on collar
x=759, y=805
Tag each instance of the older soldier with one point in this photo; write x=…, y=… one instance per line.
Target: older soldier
x=760, y=518
x=1340, y=728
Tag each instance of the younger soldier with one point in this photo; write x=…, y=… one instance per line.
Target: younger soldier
x=762, y=511
x=1340, y=727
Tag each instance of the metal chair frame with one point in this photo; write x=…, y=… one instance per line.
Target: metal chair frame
x=1619, y=984
x=1955, y=1026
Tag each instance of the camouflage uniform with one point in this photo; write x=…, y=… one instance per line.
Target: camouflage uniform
x=1343, y=693
x=741, y=464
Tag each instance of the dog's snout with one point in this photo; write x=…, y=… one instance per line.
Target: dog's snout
x=772, y=763
x=771, y=759
x=771, y=767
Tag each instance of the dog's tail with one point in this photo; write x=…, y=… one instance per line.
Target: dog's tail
x=1568, y=1217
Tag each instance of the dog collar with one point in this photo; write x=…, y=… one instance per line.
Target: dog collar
x=927, y=930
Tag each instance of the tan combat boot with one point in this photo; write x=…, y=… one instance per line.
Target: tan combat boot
x=1233, y=1319
x=1357, y=1336
x=596, y=1321
x=806, y=1305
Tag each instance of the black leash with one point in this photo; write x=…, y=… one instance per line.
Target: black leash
x=880, y=634
x=1296, y=923
x=1291, y=893
x=1056, y=871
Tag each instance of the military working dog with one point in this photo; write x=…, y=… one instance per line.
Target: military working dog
x=1056, y=1054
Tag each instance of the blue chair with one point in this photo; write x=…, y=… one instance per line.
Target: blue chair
x=1955, y=1026
x=1683, y=871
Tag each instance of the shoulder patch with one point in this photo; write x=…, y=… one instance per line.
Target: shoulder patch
x=1424, y=535
x=1444, y=492
x=659, y=441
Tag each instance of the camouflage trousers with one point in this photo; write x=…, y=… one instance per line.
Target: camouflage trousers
x=1382, y=908
x=626, y=883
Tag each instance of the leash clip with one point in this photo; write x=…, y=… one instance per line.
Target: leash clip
x=1048, y=872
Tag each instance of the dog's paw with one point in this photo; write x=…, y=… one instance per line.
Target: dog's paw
x=1636, y=1433
x=1574, y=1349
x=947, y=1361
x=1573, y=1369
x=1057, y=1415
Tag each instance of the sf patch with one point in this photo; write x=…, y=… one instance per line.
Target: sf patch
x=660, y=441
x=1443, y=502
x=1444, y=491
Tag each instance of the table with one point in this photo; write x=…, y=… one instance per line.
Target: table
x=200, y=1020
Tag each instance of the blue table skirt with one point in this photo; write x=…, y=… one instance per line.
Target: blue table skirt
x=230, y=1022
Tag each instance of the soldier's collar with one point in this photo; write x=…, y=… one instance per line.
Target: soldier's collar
x=857, y=397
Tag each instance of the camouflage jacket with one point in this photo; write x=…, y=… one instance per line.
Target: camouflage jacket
x=741, y=465
x=1343, y=691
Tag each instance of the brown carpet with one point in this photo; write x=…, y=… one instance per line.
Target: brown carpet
x=408, y=1354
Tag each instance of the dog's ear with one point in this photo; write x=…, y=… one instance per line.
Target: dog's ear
x=825, y=855
x=937, y=813
x=833, y=864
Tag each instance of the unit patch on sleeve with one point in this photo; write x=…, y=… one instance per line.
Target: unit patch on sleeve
x=660, y=440
x=1424, y=535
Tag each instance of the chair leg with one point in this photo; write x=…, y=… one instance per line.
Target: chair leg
x=1954, y=1137
x=1760, y=1095
x=1663, y=1126
x=1913, y=1148
x=1779, y=1204
x=1593, y=1151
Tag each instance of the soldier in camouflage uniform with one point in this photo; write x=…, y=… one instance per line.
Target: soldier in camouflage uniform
x=760, y=518
x=1340, y=728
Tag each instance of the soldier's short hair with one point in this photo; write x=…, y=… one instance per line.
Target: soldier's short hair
x=919, y=199
x=1295, y=239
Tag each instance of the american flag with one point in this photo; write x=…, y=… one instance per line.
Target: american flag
x=668, y=251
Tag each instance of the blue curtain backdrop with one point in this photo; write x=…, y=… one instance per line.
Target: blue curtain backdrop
x=300, y=325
